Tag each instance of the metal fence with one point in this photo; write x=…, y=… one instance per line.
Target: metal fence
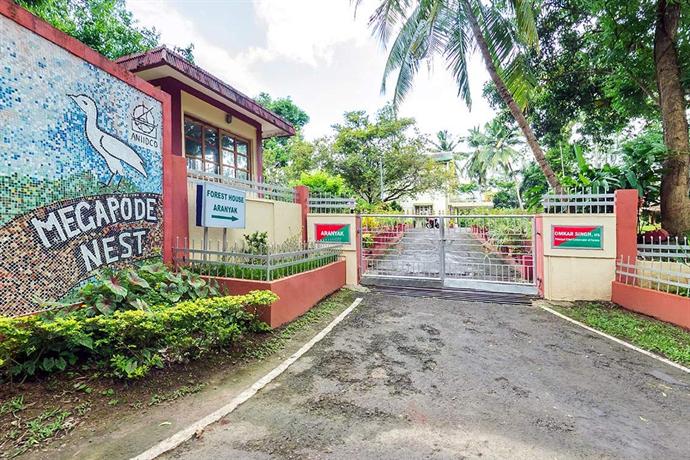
x=245, y=262
x=461, y=251
x=324, y=203
x=579, y=201
x=661, y=265
x=254, y=189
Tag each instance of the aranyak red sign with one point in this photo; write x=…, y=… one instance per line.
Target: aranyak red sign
x=577, y=236
x=332, y=233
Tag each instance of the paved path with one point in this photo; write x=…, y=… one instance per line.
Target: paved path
x=417, y=254
x=407, y=377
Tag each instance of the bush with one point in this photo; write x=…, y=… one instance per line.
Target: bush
x=127, y=342
x=136, y=288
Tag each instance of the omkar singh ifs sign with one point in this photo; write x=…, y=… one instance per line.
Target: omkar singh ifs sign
x=332, y=233
x=577, y=236
x=80, y=171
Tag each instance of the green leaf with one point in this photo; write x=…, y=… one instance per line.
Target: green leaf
x=113, y=284
x=139, y=304
x=60, y=363
x=133, y=278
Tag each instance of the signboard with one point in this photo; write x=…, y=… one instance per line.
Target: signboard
x=81, y=167
x=577, y=236
x=219, y=206
x=332, y=233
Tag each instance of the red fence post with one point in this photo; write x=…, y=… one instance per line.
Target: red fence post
x=302, y=198
x=625, y=203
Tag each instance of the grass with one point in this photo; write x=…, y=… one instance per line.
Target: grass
x=670, y=341
x=230, y=270
x=279, y=337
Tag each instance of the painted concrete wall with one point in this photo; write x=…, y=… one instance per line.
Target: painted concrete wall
x=81, y=163
x=203, y=111
x=282, y=221
x=579, y=274
x=349, y=250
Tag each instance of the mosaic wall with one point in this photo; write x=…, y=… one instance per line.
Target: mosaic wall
x=80, y=171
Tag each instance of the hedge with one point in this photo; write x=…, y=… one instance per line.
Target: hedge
x=128, y=343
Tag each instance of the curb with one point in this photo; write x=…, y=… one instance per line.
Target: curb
x=617, y=340
x=187, y=433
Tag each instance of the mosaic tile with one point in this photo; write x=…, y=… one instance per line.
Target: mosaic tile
x=80, y=152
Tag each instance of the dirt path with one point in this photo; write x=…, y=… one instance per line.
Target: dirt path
x=407, y=377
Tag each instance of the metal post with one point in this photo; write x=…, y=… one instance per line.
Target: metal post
x=442, y=248
x=534, y=252
x=205, y=241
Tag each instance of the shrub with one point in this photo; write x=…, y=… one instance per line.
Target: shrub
x=136, y=289
x=128, y=342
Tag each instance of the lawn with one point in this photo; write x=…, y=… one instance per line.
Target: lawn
x=665, y=339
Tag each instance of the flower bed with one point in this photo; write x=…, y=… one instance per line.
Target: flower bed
x=296, y=293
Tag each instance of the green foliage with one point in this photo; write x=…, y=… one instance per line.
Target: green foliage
x=104, y=25
x=322, y=182
x=505, y=199
x=360, y=146
x=643, y=159
x=286, y=158
x=128, y=342
x=290, y=265
x=647, y=333
x=256, y=243
x=284, y=107
x=136, y=288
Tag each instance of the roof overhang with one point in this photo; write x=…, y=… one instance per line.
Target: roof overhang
x=160, y=63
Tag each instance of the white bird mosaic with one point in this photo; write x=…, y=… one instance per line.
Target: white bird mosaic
x=113, y=150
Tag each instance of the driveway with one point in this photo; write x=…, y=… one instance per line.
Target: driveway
x=409, y=377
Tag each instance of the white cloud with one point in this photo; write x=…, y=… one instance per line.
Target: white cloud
x=179, y=30
x=318, y=53
x=308, y=31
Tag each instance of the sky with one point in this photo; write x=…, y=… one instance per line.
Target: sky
x=318, y=52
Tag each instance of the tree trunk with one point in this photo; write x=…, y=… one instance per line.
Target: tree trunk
x=517, y=186
x=675, y=181
x=543, y=163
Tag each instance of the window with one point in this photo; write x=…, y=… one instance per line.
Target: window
x=214, y=151
x=424, y=209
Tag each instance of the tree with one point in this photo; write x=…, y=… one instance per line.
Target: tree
x=502, y=31
x=367, y=154
x=284, y=107
x=494, y=150
x=444, y=142
x=322, y=182
x=605, y=66
x=675, y=183
x=104, y=25
x=280, y=152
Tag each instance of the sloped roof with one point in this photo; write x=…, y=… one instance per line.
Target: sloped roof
x=164, y=57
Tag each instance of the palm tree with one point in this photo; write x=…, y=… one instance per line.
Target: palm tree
x=502, y=30
x=494, y=150
x=444, y=142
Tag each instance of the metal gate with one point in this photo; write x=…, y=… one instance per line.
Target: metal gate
x=488, y=252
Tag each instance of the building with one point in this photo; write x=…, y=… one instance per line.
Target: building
x=215, y=127
x=442, y=202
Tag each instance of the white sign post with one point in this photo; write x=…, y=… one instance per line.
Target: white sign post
x=218, y=206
